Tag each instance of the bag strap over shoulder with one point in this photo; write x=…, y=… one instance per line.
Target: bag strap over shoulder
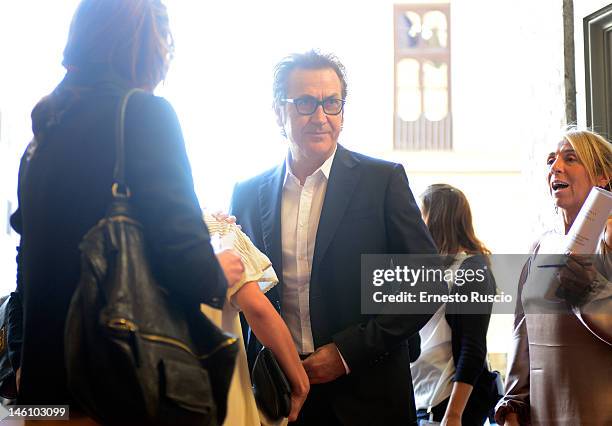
x=120, y=188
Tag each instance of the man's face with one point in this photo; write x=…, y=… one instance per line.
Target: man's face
x=313, y=137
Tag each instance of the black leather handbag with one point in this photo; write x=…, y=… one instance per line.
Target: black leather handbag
x=133, y=354
x=9, y=305
x=270, y=386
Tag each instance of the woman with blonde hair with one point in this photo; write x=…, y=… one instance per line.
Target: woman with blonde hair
x=451, y=382
x=560, y=364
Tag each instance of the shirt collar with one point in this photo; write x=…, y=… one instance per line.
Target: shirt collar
x=325, y=167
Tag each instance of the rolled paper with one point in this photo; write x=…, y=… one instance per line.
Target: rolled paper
x=583, y=236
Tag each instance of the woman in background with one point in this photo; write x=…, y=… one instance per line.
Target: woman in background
x=451, y=382
x=560, y=365
x=66, y=175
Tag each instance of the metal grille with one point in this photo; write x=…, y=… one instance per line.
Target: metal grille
x=423, y=134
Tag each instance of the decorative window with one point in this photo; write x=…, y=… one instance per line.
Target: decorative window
x=423, y=119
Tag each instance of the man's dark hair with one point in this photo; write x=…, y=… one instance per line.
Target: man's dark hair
x=311, y=60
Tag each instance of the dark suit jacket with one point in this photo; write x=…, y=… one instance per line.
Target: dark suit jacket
x=64, y=190
x=368, y=209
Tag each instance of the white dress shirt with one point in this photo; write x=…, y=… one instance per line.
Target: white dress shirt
x=300, y=213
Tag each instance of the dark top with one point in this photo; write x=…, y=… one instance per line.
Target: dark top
x=65, y=183
x=368, y=209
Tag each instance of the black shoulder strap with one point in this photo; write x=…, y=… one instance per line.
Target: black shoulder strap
x=120, y=188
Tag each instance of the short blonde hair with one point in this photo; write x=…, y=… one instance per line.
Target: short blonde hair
x=132, y=37
x=594, y=151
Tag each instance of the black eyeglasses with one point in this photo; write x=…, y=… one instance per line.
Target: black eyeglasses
x=307, y=105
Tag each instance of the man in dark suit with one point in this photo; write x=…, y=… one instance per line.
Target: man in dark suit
x=314, y=216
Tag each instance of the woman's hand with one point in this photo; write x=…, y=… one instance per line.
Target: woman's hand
x=224, y=217
x=299, y=392
x=18, y=379
x=451, y=419
x=273, y=333
x=511, y=420
x=232, y=266
x=576, y=278
x=460, y=394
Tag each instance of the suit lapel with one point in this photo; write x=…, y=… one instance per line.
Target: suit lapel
x=270, y=195
x=343, y=179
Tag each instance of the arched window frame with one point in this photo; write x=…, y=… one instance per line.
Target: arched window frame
x=419, y=133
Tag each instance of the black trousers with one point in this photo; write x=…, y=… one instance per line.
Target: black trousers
x=317, y=410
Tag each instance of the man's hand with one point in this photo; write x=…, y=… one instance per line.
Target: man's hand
x=232, y=266
x=324, y=365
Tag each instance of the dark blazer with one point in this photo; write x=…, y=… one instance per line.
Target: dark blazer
x=368, y=209
x=64, y=190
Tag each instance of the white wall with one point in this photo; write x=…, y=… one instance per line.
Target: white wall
x=508, y=106
x=508, y=102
